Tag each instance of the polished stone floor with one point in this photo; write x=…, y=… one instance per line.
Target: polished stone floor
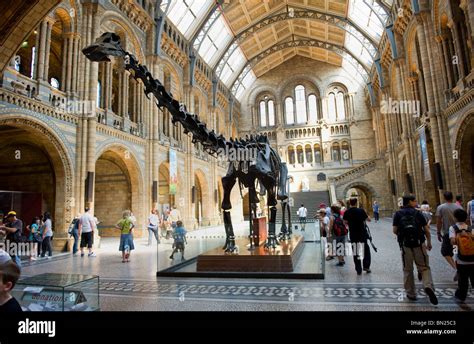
x=133, y=286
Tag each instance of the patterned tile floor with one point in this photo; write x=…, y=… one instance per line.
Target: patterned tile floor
x=134, y=287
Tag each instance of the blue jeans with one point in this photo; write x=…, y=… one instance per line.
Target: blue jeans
x=75, y=235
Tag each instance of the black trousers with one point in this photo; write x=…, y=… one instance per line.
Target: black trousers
x=465, y=273
x=358, y=262
x=46, y=246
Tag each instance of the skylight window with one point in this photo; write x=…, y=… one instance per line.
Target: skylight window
x=358, y=50
x=245, y=83
x=232, y=66
x=186, y=15
x=368, y=15
x=216, y=40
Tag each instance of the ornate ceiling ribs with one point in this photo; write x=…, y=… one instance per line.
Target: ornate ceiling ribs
x=341, y=50
x=299, y=13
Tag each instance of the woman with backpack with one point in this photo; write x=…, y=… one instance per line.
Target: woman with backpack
x=35, y=236
x=462, y=237
x=339, y=234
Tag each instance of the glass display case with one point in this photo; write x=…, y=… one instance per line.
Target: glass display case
x=300, y=257
x=51, y=292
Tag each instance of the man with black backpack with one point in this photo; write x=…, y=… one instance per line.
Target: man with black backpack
x=414, y=238
x=356, y=219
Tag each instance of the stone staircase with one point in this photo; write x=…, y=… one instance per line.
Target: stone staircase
x=311, y=201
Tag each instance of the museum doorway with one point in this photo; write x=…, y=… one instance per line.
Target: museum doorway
x=118, y=187
x=465, y=149
x=36, y=174
x=166, y=200
x=363, y=194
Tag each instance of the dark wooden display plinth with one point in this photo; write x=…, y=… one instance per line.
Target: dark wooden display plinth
x=283, y=259
x=260, y=231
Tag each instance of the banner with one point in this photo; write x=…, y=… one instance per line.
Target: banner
x=173, y=172
x=424, y=154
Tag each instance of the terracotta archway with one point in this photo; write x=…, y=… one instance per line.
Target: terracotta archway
x=34, y=133
x=202, y=195
x=465, y=162
x=118, y=187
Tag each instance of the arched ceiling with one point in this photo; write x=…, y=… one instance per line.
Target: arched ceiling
x=244, y=39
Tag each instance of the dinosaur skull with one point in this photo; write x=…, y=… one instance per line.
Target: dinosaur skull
x=106, y=45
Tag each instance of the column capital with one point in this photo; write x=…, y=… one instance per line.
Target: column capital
x=50, y=20
x=72, y=35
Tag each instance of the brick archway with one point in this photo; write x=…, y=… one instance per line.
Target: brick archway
x=202, y=195
x=368, y=191
x=17, y=20
x=27, y=131
x=464, y=147
x=118, y=187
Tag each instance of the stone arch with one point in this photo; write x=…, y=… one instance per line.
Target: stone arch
x=174, y=71
x=61, y=161
x=412, y=64
x=62, y=13
x=117, y=165
x=121, y=22
x=259, y=91
x=202, y=212
x=465, y=162
x=165, y=199
x=288, y=88
x=369, y=193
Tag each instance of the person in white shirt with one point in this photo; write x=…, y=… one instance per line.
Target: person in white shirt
x=302, y=213
x=464, y=264
x=47, y=235
x=87, y=226
x=174, y=217
x=153, y=223
x=325, y=232
x=470, y=210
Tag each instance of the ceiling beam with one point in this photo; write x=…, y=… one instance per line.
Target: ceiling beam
x=340, y=50
x=300, y=13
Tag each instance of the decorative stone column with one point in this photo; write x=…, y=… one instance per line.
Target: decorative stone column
x=427, y=73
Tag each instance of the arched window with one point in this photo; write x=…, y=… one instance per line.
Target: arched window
x=332, y=107
x=289, y=111
x=345, y=151
x=301, y=113
x=336, y=105
x=341, y=111
x=266, y=112
x=291, y=155
x=263, y=114
x=57, y=57
x=308, y=153
x=24, y=62
x=313, y=108
x=299, y=152
x=317, y=153
x=336, y=152
x=99, y=93
x=271, y=113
